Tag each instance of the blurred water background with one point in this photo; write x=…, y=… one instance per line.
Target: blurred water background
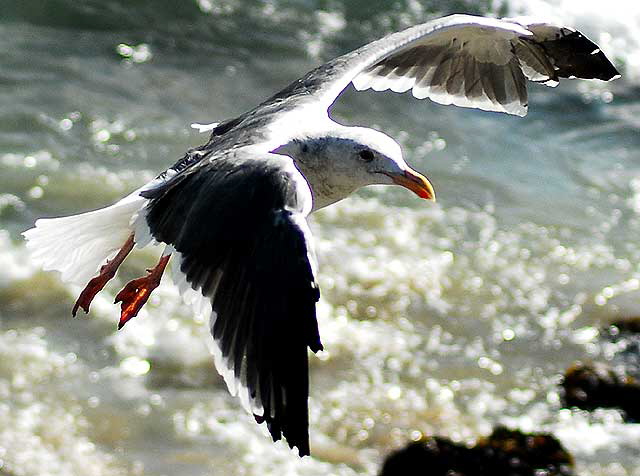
x=439, y=319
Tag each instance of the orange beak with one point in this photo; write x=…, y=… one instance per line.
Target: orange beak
x=416, y=182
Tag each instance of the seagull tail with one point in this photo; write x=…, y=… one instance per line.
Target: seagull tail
x=78, y=245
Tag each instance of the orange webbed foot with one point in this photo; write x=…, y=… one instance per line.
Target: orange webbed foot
x=136, y=293
x=107, y=272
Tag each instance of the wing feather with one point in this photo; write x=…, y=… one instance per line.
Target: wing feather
x=445, y=59
x=472, y=80
x=241, y=239
x=464, y=60
x=486, y=65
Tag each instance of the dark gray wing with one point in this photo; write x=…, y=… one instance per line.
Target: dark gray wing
x=464, y=60
x=238, y=227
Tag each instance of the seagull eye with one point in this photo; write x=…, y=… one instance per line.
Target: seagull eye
x=366, y=155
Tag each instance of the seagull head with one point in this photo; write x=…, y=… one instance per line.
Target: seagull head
x=378, y=158
x=344, y=159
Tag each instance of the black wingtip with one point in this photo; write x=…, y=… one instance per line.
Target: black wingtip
x=575, y=55
x=304, y=452
x=296, y=439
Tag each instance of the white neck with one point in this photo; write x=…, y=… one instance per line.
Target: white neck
x=323, y=164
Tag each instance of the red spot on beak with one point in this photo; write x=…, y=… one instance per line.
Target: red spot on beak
x=415, y=182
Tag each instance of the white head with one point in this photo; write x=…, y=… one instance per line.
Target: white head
x=346, y=158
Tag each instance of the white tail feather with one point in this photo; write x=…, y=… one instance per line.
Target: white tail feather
x=79, y=245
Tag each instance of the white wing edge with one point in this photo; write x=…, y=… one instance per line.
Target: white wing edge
x=204, y=127
x=483, y=34
x=202, y=307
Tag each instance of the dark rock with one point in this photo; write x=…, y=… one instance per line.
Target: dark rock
x=597, y=385
x=504, y=453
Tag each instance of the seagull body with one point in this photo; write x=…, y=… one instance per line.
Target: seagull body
x=232, y=212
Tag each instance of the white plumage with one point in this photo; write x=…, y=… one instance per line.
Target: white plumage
x=78, y=245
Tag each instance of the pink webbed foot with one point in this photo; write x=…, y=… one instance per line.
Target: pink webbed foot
x=136, y=293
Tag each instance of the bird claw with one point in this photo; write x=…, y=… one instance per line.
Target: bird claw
x=91, y=290
x=107, y=272
x=136, y=293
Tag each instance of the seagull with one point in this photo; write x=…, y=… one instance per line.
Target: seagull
x=232, y=212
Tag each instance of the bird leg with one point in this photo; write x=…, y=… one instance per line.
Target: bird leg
x=136, y=293
x=107, y=272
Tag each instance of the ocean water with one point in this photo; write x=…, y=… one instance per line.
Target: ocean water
x=445, y=319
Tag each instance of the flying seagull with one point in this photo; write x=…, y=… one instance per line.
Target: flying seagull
x=232, y=212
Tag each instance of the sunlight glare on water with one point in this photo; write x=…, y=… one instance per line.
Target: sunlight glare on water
x=437, y=319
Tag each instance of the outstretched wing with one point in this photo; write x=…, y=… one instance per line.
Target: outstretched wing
x=464, y=60
x=242, y=243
